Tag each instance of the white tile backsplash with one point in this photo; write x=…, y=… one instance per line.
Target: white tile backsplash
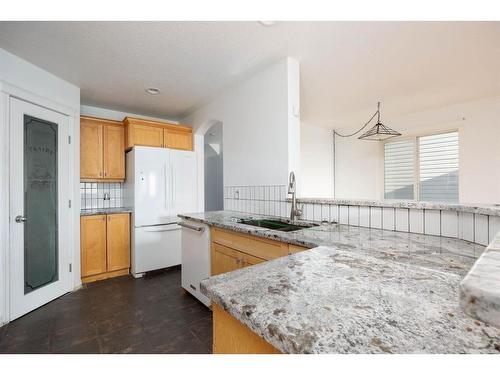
x=432, y=222
x=92, y=195
x=388, y=221
x=261, y=200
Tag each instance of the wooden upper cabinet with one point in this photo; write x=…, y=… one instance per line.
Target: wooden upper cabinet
x=140, y=132
x=102, y=149
x=144, y=135
x=91, y=146
x=180, y=138
x=114, y=152
x=93, y=244
x=118, y=241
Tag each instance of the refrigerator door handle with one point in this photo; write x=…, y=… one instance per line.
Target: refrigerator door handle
x=172, y=186
x=167, y=186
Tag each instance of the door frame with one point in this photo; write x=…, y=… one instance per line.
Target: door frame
x=7, y=91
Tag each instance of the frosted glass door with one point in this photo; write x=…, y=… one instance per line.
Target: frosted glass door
x=40, y=250
x=40, y=203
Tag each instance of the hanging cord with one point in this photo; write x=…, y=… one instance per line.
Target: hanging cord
x=346, y=136
x=364, y=126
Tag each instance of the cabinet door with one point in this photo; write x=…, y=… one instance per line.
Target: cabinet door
x=178, y=139
x=114, y=152
x=118, y=241
x=91, y=145
x=224, y=259
x=144, y=135
x=292, y=249
x=93, y=244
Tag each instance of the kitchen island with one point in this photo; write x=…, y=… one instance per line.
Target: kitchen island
x=359, y=290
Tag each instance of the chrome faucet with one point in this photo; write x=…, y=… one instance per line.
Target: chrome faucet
x=295, y=212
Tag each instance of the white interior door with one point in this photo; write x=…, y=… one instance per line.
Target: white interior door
x=39, y=252
x=184, y=187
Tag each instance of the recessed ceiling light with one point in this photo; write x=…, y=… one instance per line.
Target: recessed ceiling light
x=267, y=23
x=152, y=91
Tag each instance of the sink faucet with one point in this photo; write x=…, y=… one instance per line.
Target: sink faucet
x=295, y=212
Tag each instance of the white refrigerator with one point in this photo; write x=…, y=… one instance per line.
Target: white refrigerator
x=161, y=183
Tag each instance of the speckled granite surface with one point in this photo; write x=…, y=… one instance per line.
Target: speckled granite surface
x=480, y=289
x=447, y=254
x=327, y=300
x=104, y=211
x=364, y=291
x=484, y=209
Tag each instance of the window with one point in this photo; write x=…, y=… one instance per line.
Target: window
x=399, y=169
x=425, y=167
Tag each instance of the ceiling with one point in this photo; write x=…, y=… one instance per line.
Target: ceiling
x=346, y=67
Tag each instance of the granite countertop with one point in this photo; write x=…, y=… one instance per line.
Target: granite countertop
x=474, y=208
x=105, y=211
x=447, y=254
x=361, y=291
x=480, y=289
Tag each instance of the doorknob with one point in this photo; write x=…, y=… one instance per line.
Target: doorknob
x=20, y=219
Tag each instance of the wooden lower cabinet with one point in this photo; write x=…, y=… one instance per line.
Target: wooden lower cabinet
x=223, y=259
x=292, y=249
x=93, y=245
x=104, y=246
x=232, y=337
x=118, y=242
x=232, y=250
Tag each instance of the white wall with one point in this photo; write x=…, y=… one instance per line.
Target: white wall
x=316, y=155
x=360, y=165
x=27, y=81
x=111, y=114
x=258, y=125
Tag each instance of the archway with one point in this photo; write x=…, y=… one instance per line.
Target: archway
x=213, y=168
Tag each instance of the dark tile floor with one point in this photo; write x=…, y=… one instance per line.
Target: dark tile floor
x=121, y=315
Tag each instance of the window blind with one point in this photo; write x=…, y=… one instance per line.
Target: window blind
x=399, y=169
x=438, y=167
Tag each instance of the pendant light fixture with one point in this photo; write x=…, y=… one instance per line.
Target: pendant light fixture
x=379, y=132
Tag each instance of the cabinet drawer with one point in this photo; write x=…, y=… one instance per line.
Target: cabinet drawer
x=258, y=247
x=231, y=239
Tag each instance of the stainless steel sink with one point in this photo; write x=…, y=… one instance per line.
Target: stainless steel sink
x=282, y=226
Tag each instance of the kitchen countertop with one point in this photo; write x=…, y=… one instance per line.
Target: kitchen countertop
x=447, y=254
x=105, y=211
x=474, y=208
x=361, y=291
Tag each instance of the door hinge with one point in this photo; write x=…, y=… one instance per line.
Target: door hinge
x=69, y=139
x=70, y=267
x=69, y=203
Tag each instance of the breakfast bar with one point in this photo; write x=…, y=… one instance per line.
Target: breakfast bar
x=358, y=290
